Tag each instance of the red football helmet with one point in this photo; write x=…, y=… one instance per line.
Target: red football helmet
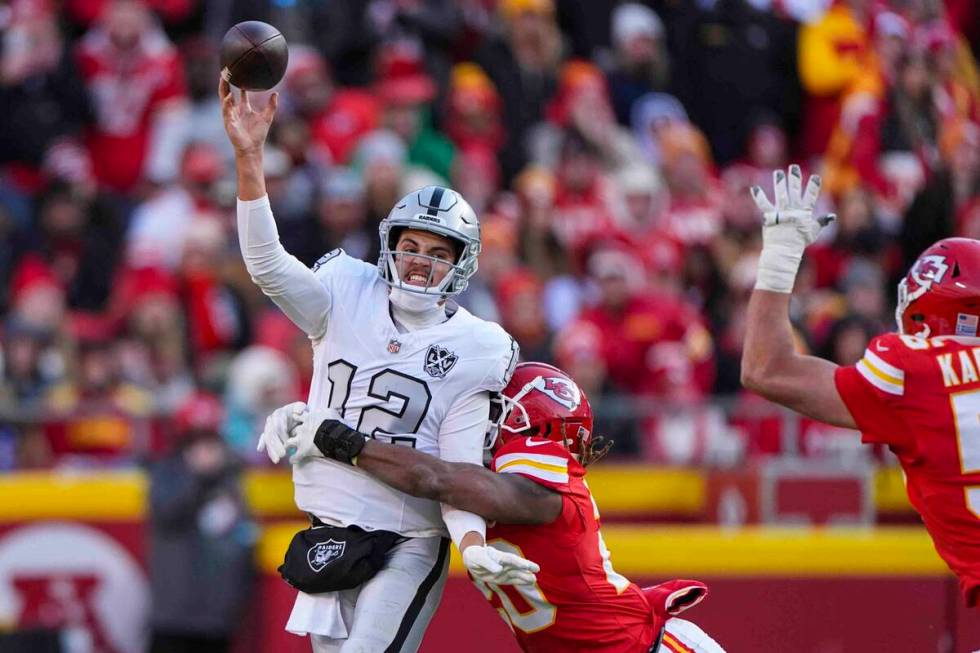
x=940, y=295
x=542, y=401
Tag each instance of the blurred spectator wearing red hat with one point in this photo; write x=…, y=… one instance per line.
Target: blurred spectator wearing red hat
x=520, y=298
x=76, y=238
x=582, y=106
x=473, y=111
x=406, y=92
x=149, y=322
x=37, y=297
x=578, y=349
x=217, y=322
x=42, y=98
x=159, y=226
x=198, y=120
x=199, y=524
x=957, y=82
x=586, y=200
x=694, y=214
x=337, y=116
x=653, y=344
x=135, y=78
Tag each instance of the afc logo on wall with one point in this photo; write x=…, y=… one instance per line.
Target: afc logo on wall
x=77, y=580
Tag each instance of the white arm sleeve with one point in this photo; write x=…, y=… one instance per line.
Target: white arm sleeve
x=280, y=275
x=461, y=441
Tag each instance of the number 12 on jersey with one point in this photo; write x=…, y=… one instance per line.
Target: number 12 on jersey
x=411, y=398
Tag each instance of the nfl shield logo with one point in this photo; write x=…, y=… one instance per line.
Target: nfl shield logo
x=394, y=346
x=322, y=554
x=438, y=361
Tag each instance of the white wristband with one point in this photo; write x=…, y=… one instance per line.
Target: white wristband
x=778, y=265
x=459, y=523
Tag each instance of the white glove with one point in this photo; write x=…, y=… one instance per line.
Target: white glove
x=300, y=443
x=277, y=428
x=788, y=228
x=488, y=565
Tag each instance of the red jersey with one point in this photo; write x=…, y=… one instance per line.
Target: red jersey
x=656, y=345
x=579, y=602
x=126, y=89
x=921, y=397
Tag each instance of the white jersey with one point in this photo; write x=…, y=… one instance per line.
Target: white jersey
x=396, y=387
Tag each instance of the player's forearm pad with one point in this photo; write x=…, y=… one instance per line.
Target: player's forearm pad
x=339, y=442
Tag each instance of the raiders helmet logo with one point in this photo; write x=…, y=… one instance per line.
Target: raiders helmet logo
x=560, y=390
x=322, y=554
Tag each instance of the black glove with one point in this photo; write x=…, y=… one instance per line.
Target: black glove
x=339, y=442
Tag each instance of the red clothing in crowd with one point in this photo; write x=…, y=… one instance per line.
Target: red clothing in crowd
x=656, y=345
x=349, y=115
x=582, y=215
x=126, y=89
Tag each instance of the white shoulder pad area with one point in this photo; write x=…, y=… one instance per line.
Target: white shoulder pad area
x=337, y=268
x=502, y=351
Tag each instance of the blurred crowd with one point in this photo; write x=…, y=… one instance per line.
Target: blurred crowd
x=607, y=147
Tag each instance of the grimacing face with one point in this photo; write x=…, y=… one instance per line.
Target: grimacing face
x=416, y=270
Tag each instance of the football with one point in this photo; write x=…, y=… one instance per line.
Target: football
x=253, y=56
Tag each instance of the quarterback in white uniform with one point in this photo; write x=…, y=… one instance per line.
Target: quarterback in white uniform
x=397, y=361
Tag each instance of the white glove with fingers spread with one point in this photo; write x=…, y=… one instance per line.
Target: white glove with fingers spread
x=488, y=565
x=277, y=428
x=300, y=443
x=788, y=227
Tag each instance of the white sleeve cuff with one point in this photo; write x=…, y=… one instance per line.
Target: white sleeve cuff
x=459, y=523
x=251, y=204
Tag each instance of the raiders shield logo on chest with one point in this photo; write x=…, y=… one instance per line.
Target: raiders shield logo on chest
x=438, y=361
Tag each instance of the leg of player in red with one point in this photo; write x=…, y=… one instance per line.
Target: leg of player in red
x=916, y=391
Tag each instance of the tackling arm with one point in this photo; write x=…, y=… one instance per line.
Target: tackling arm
x=506, y=498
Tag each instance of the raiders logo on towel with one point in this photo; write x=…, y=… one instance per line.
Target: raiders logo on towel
x=323, y=553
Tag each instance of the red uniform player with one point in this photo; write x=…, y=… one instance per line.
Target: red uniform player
x=538, y=497
x=579, y=602
x=921, y=397
x=916, y=391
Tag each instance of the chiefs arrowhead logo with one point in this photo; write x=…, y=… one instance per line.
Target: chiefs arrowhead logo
x=929, y=270
x=560, y=390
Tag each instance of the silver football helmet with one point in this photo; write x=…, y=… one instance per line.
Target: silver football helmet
x=441, y=211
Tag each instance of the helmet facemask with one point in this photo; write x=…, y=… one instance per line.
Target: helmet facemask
x=454, y=277
x=438, y=211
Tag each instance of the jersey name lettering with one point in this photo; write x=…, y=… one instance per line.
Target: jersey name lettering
x=959, y=368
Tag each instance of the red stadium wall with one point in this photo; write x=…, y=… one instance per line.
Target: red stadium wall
x=71, y=556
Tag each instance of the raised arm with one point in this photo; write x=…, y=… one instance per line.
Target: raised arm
x=281, y=276
x=770, y=364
